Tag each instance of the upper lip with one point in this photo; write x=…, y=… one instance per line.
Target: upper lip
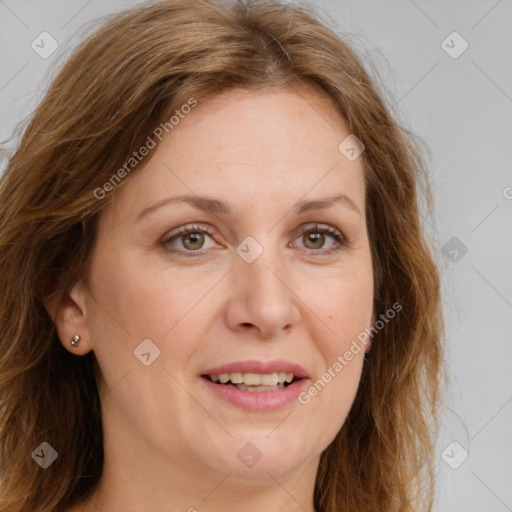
x=253, y=366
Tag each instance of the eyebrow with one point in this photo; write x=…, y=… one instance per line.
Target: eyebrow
x=216, y=206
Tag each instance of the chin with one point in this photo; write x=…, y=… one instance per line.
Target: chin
x=260, y=455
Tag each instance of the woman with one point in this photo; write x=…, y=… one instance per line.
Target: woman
x=215, y=288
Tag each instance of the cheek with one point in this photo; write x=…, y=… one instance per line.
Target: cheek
x=342, y=312
x=133, y=303
x=344, y=308
x=147, y=301
x=327, y=401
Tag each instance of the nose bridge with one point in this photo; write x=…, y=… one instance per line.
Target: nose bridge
x=259, y=274
x=262, y=275
x=263, y=297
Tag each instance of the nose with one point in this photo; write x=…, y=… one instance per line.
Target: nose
x=262, y=298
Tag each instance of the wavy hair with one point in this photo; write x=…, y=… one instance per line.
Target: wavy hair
x=117, y=86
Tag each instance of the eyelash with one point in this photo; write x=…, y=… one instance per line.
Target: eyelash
x=341, y=241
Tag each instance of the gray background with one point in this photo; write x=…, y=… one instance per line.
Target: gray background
x=462, y=108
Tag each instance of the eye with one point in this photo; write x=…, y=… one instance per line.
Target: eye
x=315, y=237
x=188, y=239
x=195, y=240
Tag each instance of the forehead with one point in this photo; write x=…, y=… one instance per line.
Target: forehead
x=276, y=143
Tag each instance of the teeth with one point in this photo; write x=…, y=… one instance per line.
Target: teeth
x=236, y=378
x=254, y=379
x=269, y=379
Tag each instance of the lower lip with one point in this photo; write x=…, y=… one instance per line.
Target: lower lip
x=257, y=400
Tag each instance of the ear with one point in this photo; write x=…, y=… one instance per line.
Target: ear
x=69, y=314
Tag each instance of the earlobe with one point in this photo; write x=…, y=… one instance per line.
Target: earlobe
x=69, y=315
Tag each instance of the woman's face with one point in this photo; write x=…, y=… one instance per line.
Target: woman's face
x=240, y=271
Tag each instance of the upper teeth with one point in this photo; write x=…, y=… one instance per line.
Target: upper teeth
x=254, y=379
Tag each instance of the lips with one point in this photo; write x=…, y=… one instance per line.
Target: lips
x=256, y=385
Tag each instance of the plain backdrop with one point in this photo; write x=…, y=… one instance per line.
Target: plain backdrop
x=446, y=67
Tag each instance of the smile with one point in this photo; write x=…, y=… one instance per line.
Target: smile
x=256, y=386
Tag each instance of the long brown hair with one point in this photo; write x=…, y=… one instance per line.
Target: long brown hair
x=118, y=85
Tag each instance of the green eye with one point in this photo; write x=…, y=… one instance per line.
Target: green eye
x=315, y=237
x=189, y=239
x=316, y=240
x=193, y=241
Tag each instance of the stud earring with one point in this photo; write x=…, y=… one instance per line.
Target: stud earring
x=75, y=340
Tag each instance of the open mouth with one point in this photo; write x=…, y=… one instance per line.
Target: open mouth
x=254, y=382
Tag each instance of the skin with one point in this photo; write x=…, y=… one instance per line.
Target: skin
x=170, y=444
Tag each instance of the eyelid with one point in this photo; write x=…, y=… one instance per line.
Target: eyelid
x=187, y=228
x=184, y=230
